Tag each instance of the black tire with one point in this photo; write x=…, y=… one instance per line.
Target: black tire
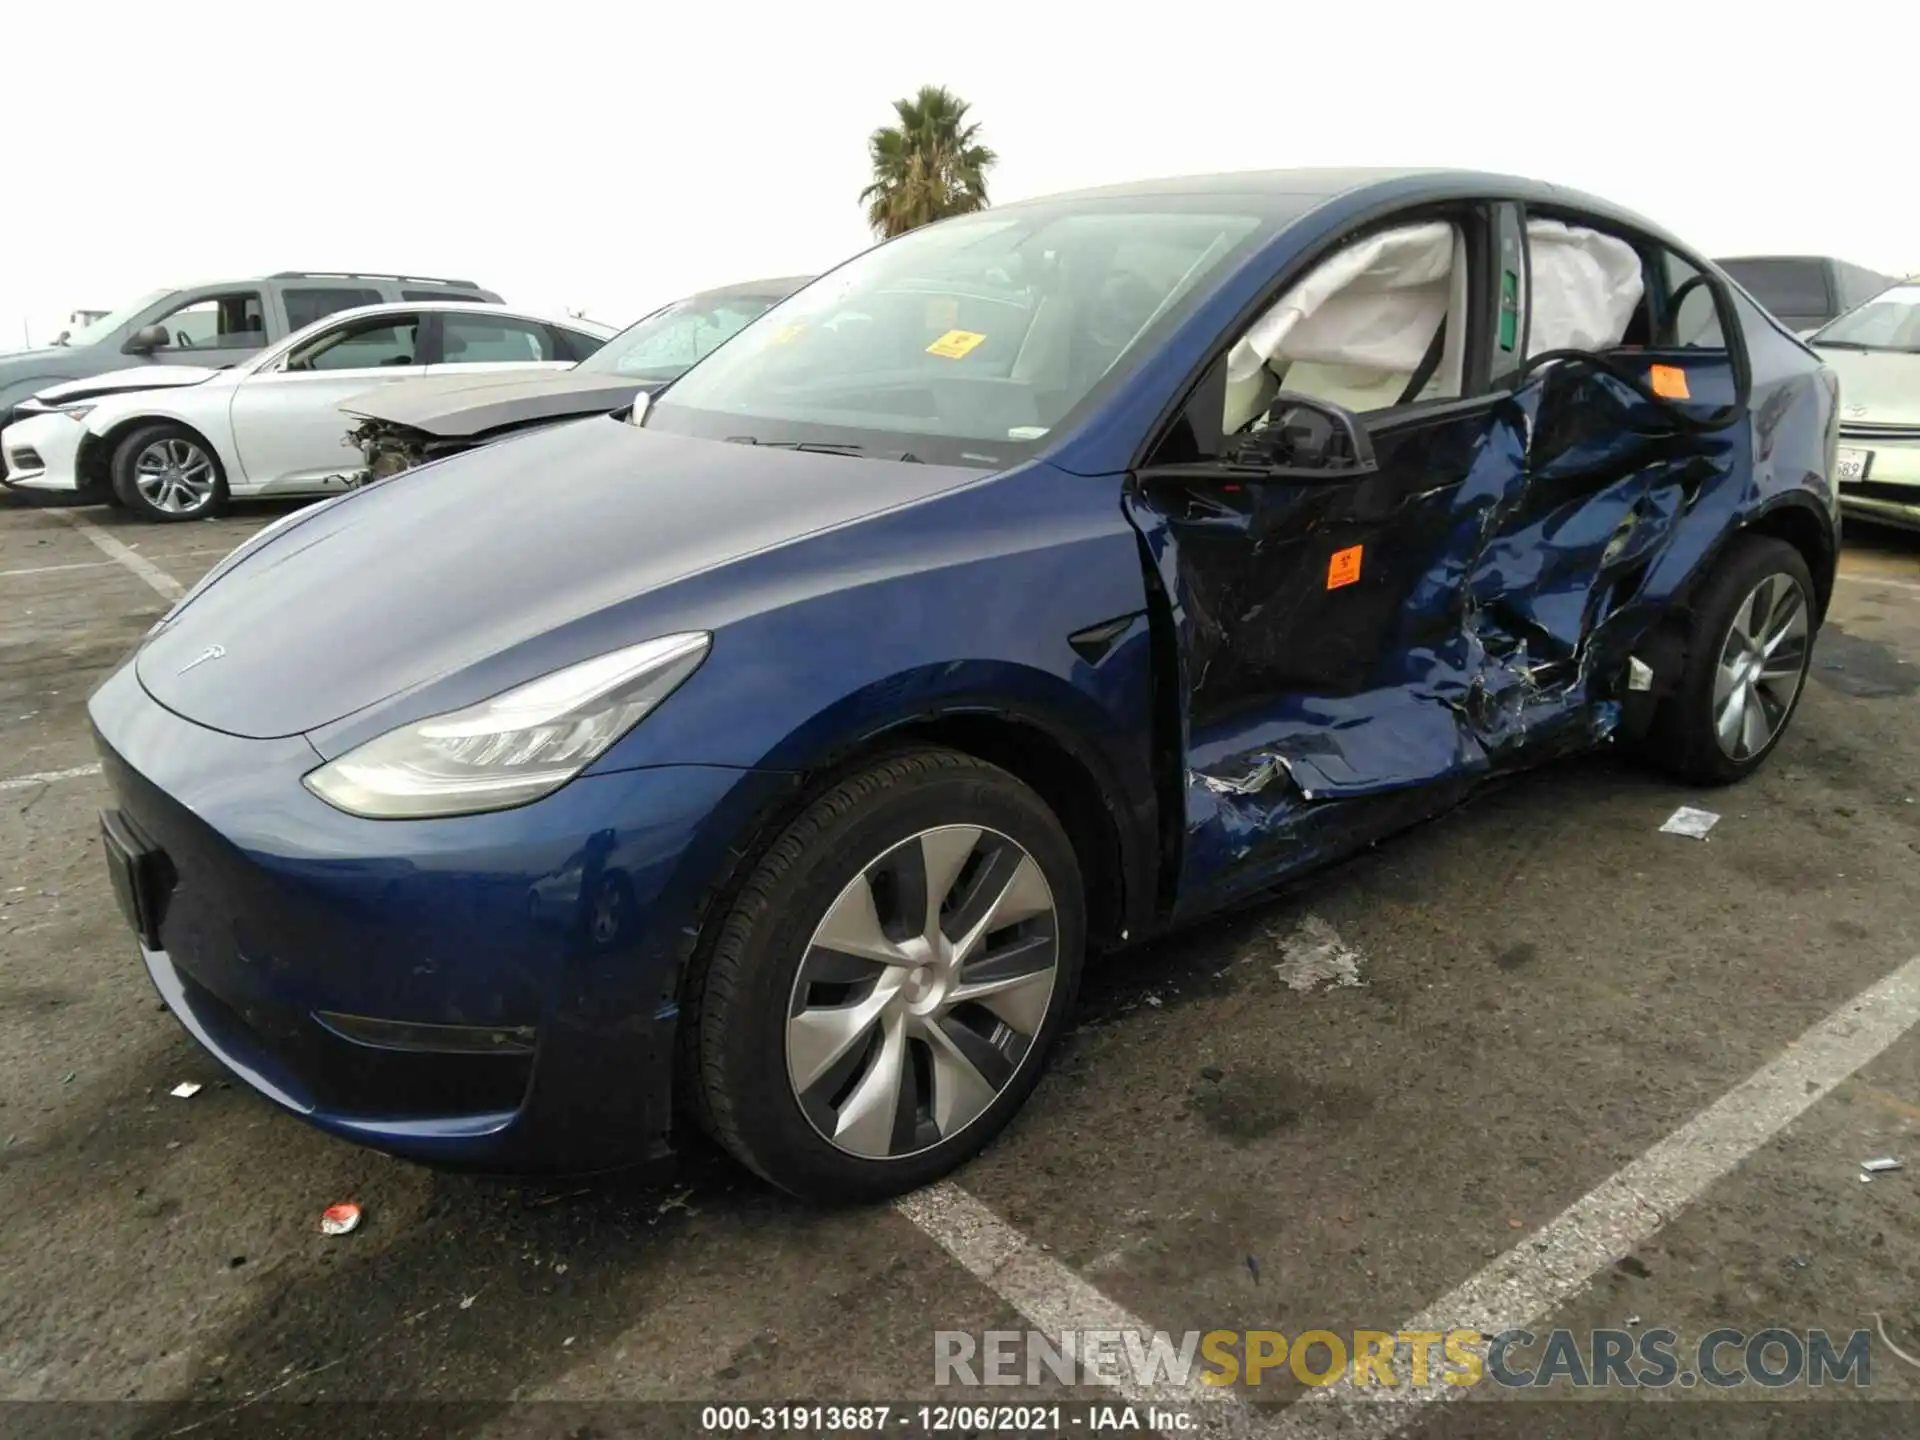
x=1682, y=738
x=126, y=456
x=735, y=1066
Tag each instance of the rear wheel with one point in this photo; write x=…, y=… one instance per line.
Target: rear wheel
x=166, y=472
x=881, y=998
x=1749, y=646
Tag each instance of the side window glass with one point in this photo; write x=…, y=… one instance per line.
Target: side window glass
x=485, y=340
x=1691, y=320
x=443, y=295
x=306, y=304
x=217, y=322
x=1379, y=324
x=377, y=341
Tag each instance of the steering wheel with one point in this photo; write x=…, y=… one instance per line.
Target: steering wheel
x=182, y=340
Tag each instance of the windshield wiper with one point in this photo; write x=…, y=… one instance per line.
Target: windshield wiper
x=827, y=447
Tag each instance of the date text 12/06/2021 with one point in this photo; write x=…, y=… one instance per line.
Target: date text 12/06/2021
x=946, y=1419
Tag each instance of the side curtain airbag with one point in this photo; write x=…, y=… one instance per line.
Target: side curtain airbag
x=1373, y=306
x=1585, y=288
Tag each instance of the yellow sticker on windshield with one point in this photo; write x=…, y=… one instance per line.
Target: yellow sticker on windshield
x=956, y=344
x=785, y=333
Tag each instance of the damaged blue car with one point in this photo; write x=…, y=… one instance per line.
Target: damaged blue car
x=770, y=758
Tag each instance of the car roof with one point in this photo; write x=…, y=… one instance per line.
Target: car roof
x=471, y=307
x=337, y=277
x=1289, y=194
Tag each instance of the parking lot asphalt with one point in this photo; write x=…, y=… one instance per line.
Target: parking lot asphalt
x=1549, y=988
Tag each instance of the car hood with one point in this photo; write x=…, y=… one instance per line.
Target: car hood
x=460, y=405
x=115, y=382
x=454, y=565
x=1877, y=387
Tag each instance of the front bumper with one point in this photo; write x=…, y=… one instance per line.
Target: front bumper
x=42, y=452
x=1889, y=491
x=562, y=927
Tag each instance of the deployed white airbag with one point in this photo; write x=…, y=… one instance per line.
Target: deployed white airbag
x=1585, y=289
x=1373, y=306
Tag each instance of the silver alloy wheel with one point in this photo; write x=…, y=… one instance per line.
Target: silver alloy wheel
x=1763, y=664
x=921, y=992
x=174, y=475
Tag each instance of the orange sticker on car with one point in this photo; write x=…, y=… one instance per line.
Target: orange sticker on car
x=1344, y=567
x=1669, y=381
x=956, y=344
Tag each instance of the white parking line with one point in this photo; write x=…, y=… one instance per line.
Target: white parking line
x=1052, y=1298
x=47, y=777
x=1557, y=1262
x=168, y=587
x=97, y=564
x=1527, y=1283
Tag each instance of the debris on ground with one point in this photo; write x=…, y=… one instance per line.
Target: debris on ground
x=185, y=1090
x=341, y=1219
x=1315, y=955
x=1885, y=1162
x=1690, y=822
x=466, y=1301
x=1253, y=1269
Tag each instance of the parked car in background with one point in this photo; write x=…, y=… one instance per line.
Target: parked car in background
x=213, y=325
x=1805, y=291
x=774, y=756
x=1875, y=350
x=270, y=426
x=406, y=425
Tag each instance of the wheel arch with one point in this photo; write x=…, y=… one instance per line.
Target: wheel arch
x=94, y=462
x=1803, y=525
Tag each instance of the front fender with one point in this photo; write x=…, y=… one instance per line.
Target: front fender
x=202, y=411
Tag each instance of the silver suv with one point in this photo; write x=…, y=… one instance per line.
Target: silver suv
x=211, y=325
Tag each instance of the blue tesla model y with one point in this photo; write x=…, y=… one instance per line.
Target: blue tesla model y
x=771, y=757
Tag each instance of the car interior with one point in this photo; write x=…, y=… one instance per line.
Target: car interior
x=1382, y=322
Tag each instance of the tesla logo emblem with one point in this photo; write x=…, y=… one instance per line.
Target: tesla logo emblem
x=212, y=652
x=1856, y=410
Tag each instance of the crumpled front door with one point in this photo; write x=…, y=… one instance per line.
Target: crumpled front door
x=1353, y=655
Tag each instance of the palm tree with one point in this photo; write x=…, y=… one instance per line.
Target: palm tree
x=929, y=166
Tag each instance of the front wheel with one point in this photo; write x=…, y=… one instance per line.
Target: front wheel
x=166, y=472
x=1749, y=646
x=881, y=998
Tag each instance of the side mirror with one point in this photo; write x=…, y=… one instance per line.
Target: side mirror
x=147, y=339
x=642, y=402
x=1302, y=438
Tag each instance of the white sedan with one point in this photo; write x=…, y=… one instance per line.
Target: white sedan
x=174, y=445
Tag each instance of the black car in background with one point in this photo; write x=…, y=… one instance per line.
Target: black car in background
x=1805, y=291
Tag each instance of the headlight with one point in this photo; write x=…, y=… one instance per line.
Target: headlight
x=520, y=745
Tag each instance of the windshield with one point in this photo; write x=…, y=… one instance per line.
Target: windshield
x=963, y=342
x=100, y=329
x=1890, y=321
x=666, y=343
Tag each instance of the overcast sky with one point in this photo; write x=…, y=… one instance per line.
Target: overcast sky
x=609, y=157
